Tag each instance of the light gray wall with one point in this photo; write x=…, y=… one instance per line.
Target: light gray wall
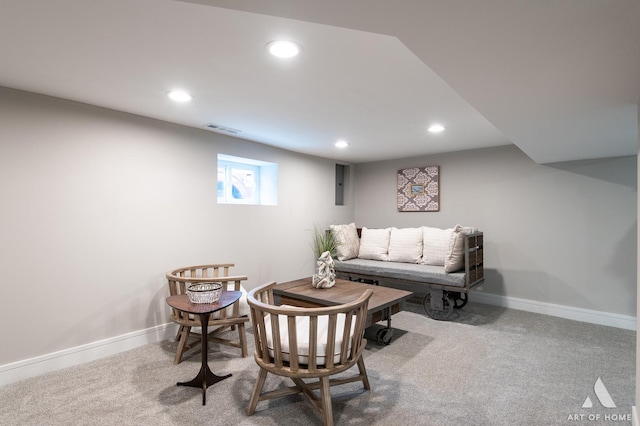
x=561, y=233
x=637, y=400
x=96, y=206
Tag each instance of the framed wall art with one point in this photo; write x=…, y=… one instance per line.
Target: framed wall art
x=419, y=189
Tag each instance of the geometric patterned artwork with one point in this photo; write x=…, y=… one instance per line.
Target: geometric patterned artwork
x=419, y=189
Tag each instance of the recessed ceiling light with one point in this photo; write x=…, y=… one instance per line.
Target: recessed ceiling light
x=180, y=96
x=341, y=144
x=436, y=128
x=283, y=48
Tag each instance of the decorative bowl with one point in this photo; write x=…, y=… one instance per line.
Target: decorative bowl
x=204, y=292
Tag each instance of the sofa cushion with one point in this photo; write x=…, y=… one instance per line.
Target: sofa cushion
x=405, y=245
x=436, y=243
x=347, y=240
x=374, y=244
x=414, y=272
x=455, y=258
x=454, y=261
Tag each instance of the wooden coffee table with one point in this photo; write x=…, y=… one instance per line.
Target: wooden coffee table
x=383, y=304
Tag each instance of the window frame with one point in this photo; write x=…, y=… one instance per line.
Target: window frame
x=265, y=180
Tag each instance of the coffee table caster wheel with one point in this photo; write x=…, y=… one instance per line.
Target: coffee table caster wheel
x=438, y=314
x=384, y=336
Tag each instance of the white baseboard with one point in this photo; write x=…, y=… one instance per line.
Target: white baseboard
x=21, y=370
x=569, y=312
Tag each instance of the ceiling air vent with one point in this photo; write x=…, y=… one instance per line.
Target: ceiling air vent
x=222, y=129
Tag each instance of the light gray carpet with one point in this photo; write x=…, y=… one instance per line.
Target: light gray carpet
x=488, y=366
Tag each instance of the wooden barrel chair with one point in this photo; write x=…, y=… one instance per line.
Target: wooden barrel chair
x=231, y=318
x=307, y=343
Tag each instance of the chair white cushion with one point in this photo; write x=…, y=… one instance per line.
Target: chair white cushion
x=243, y=305
x=435, y=245
x=405, y=245
x=348, y=242
x=374, y=244
x=302, y=334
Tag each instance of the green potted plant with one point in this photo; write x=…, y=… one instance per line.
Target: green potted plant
x=323, y=240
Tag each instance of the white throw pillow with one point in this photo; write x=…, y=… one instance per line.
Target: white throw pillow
x=435, y=243
x=454, y=260
x=374, y=244
x=405, y=245
x=347, y=240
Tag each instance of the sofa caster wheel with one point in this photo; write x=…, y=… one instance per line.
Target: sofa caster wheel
x=384, y=336
x=435, y=310
x=459, y=299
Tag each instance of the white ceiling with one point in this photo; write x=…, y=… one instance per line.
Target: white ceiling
x=560, y=79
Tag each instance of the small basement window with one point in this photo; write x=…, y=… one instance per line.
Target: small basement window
x=247, y=181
